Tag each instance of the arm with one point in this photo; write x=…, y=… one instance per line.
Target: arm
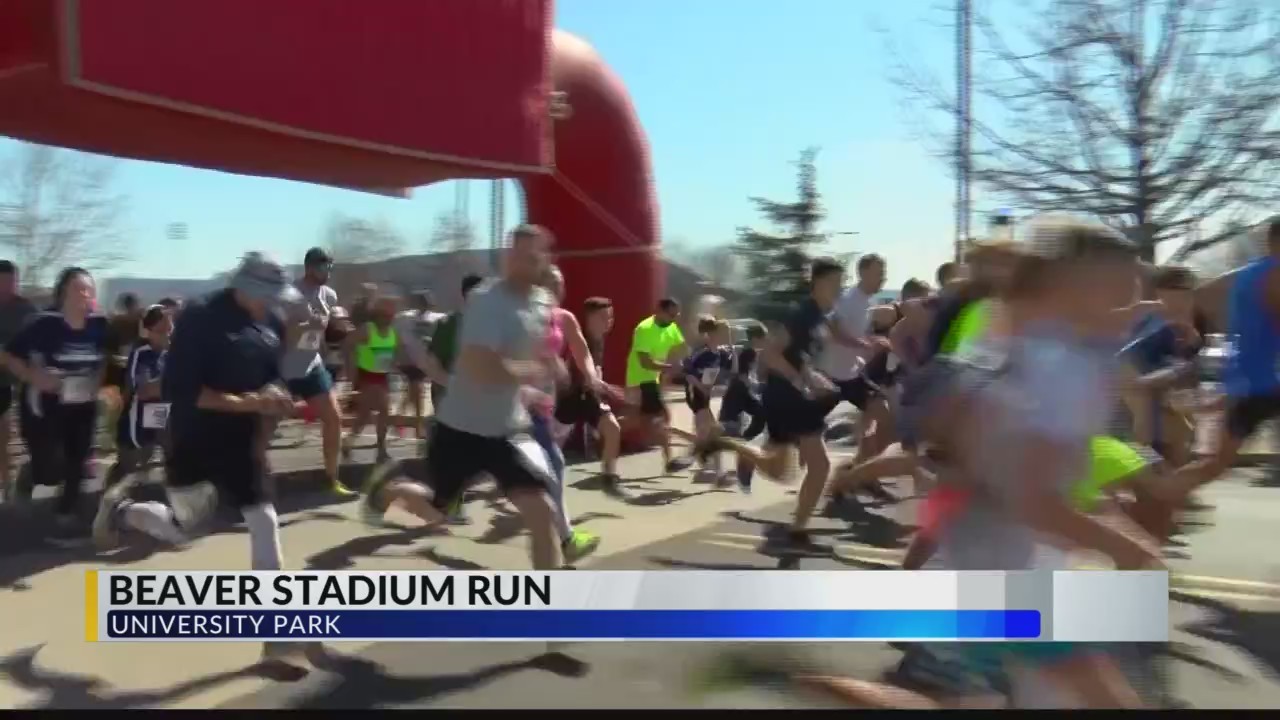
x=422, y=358
x=16, y=357
x=1046, y=510
x=578, y=348
x=187, y=370
x=900, y=339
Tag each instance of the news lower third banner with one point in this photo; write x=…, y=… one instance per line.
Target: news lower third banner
x=587, y=606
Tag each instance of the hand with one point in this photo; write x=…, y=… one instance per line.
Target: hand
x=535, y=399
x=274, y=401
x=45, y=381
x=880, y=342
x=1136, y=555
x=559, y=371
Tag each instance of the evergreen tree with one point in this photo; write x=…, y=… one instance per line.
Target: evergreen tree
x=777, y=261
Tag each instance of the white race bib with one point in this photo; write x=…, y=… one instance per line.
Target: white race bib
x=382, y=362
x=709, y=376
x=78, y=390
x=311, y=340
x=155, y=415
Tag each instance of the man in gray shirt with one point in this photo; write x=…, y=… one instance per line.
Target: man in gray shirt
x=482, y=425
x=15, y=310
x=302, y=366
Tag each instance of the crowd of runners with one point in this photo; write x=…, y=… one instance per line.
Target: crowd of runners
x=1042, y=397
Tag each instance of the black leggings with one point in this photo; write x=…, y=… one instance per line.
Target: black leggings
x=59, y=444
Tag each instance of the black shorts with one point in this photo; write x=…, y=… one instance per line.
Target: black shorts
x=228, y=461
x=456, y=458
x=1246, y=414
x=696, y=399
x=579, y=406
x=789, y=415
x=856, y=391
x=651, y=404
x=412, y=373
x=6, y=398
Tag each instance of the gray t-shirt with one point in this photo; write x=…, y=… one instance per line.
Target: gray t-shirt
x=1056, y=390
x=303, y=354
x=512, y=324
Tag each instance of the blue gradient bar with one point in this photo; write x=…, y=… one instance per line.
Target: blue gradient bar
x=580, y=624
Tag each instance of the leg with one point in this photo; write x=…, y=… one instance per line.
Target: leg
x=893, y=462
x=610, y=442
x=325, y=407
x=6, y=477
x=813, y=453
x=380, y=400
x=78, y=425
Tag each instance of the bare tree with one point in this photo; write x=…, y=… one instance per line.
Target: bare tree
x=1159, y=116
x=354, y=240
x=452, y=233
x=59, y=207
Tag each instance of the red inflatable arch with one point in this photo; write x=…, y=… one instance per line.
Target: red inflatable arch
x=379, y=98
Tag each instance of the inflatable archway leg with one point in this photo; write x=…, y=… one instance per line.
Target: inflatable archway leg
x=600, y=201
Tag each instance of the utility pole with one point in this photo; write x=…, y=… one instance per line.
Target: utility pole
x=497, y=220
x=964, y=53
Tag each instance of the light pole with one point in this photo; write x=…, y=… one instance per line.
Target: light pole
x=963, y=158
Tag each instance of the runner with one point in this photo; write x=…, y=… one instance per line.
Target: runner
x=59, y=356
x=304, y=369
x=123, y=329
x=651, y=359
x=141, y=426
x=444, y=341
x=223, y=379
x=1160, y=359
x=842, y=359
x=482, y=426
x=742, y=397
x=1250, y=379
x=442, y=350
x=15, y=312
x=1017, y=468
x=563, y=335
x=372, y=352
x=701, y=372
x=419, y=323
x=582, y=404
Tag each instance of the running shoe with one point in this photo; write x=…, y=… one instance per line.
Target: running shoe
x=744, y=479
x=337, y=487
x=579, y=545
x=611, y=485
x=680, y=464
x=456, y=514
x=106, y=527
x=370, y=513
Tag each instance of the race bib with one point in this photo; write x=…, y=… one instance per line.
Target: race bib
x=382, y=362
x=709, y=376
x=155, y=415
x=311, y=340
x=78, y=389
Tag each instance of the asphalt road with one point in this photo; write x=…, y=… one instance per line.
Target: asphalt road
x=1225, y=651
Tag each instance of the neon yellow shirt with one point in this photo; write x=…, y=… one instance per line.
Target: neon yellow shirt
x=655, y=340
x=968, y=327
x=377, y=353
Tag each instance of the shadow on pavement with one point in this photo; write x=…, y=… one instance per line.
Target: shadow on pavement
x=72, y=691
x=357, y=683
x=1256, y=632
x=343, y=556
x=23, y=529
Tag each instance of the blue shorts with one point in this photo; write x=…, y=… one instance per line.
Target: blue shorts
x=315, y=383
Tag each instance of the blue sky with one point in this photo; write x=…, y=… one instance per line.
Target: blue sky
x=729, y=92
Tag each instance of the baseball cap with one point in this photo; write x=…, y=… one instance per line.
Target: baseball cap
x=262, y=278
